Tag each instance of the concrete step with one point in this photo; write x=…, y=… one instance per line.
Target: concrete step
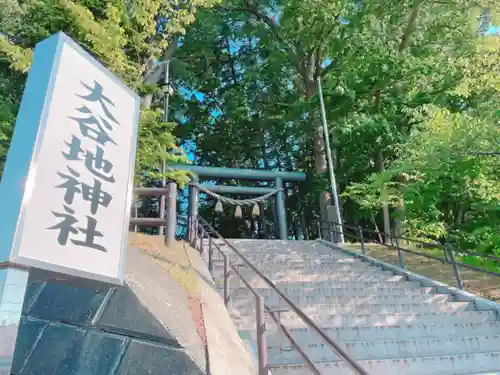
x=382, y=320
x=374, y=276
x=382, y=349
x=325, y=317
x=325, y=312
x=296, y=277
x=240, y=295
x=368, y=288
x=271, y=250
x=327, y=294
x=323, y=284
x=295, y=270
x=316, y=267
x=305, y=336
x=366, y=322
x=292, y=259
x=433, y=365
x=339, y=280
x=343, y=277
x=284, y=255
x=365, y=308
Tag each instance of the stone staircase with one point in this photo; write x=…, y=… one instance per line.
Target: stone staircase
x=388, y=324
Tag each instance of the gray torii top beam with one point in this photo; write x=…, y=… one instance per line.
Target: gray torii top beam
x=239, y=173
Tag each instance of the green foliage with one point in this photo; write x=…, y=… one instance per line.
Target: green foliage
x=124, y=35
x=411, y=97
x=157, y=144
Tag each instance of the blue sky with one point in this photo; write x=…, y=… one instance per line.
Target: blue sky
x=494, y=30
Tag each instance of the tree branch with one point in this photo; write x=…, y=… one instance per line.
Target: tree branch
x=482, y=153
x=405, y=39
x=253, y=10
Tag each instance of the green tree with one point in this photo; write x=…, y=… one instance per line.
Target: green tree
x=129, y=37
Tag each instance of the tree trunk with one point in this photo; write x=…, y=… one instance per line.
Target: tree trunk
x=459, y=214
x=263, y=148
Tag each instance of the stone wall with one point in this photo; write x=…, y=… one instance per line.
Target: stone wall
x=144, y=327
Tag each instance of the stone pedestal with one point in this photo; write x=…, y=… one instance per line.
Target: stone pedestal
x=12, y=288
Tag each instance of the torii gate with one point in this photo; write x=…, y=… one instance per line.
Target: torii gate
x=277, y=177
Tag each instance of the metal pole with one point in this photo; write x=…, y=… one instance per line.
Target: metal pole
x=166, y=96
x=226, y=279
x=171, y=213
x=166, y=101
x=333, y=182
x=192, y=212
x=460, y=283
x=136, y=211
x=210, y=256
x=161, y=230
x=202, y=237
x=400, y=253
x=262, y=220
x=195, y=231
x=280, y=210
x=13, y=284
x=362, y=239
x=303, y=225
x=261, y=337
x=298, y=229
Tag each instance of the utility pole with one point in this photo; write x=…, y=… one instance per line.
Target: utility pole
x=333, y=182
x=166, y=103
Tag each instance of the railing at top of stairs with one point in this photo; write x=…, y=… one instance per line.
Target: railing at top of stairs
x=200, y=230
x=394, y=242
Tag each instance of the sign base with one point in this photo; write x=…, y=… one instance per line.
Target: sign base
x=13, y=283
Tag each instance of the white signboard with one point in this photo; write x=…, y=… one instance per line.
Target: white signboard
x=78, y=124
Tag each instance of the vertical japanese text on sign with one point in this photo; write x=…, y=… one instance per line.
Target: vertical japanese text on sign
x=97, y=128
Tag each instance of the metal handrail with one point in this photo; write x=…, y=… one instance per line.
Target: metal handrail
x=205, y=227
x=261, y=342
x=448, y=251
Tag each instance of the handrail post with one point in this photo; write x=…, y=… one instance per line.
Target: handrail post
x=191, y=230
x=210, y=256
x=445, y=253
x=171, y=220
x=261, y=337
x=195, y=232
x=361, y=238
x=202, y=235
x=400, y=253
x=456, y=271
x=319, y=229
x=226, y=279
